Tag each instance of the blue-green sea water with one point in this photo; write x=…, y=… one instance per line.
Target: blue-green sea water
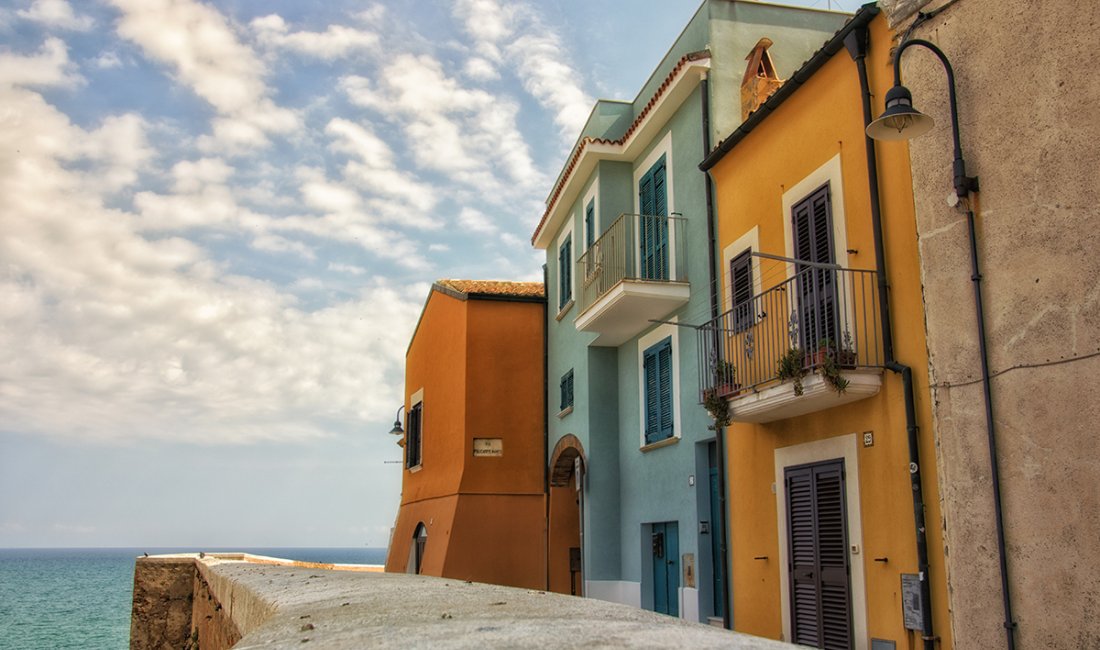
x=80, y=597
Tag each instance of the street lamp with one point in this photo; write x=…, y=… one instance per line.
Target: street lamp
x=397, y=429
x=900, y=121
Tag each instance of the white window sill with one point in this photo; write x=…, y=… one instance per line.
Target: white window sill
x=671, y=440
x=565, y=310
x=565, y=411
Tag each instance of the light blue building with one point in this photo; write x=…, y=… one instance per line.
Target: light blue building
x=635, y=472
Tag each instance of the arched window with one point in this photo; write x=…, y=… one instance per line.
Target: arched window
x=420, y=540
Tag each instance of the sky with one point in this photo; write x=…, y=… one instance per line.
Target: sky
x=219, y=222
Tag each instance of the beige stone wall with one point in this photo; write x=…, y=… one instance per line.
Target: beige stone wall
x=1028, y=91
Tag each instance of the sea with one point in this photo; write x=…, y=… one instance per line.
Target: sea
x=53, y=598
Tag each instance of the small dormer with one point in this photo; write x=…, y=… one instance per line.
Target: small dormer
x=760, y=79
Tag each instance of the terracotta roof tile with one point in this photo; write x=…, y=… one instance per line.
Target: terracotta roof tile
x=494, y=287
x=579, y=149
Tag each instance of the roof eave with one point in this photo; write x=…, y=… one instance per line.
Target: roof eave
x=589, y=151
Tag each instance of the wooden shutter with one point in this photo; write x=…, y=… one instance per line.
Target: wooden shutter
x=741, y=289
x=653, y=222
x=818, y=556
x=566, y=390
x=657, y=368
x=589, y=225
x=813, y=242
x=413, y=443
x=565, y=272
x=664, y=360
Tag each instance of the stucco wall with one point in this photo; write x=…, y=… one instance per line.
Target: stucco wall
x=1026, y=91
x=819, y=127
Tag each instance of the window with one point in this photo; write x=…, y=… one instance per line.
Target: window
x=420, y=541
x=566, y=385
x=741, y=291
x=565, y=272
x=657, y=371
x=590, y=224
x=813, y=242
x=653, y=226
x=413, y=437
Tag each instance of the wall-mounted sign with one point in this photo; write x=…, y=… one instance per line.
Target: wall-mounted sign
x=488, y=447
x=911, y=602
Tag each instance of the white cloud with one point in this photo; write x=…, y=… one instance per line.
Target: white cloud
x=475, y=220
x=50, y=67
x=350, y=269
x=335, y=42
x=466, y=133
x=56, y=13
x=479, y=69
x=110, y=334
x=107, y=61
x=206, y=55
x=513, y=32
x=376, y=172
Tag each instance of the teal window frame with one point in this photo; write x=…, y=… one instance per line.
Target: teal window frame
x=653, y=222
x=657, y=376
x=566, y=386
x=590, y=224
x=565, y=272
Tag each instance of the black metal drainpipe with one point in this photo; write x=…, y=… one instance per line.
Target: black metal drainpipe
x=857, y=43
x=719, y=432
x=546, y=419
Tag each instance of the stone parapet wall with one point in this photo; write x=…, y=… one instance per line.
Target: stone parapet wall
x=279, y=604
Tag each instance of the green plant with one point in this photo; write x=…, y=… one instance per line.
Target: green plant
x=717, y=407
x=724, y=371
x=790, y=366
x=830, y=372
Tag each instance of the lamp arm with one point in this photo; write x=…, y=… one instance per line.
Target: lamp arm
x=963, y=184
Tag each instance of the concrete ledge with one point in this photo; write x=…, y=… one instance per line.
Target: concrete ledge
x=276, y=604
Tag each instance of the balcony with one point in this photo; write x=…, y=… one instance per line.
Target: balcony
x=820, y=324
x=634, y=273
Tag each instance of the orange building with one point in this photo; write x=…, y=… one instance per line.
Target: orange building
x=473, y=503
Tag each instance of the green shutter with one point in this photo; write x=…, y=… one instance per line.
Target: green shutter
x=565, y=272
x=590, y=224
x=653, y=223
x=657, y=371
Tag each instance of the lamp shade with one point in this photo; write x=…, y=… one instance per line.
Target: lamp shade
x=397, y=430
x=900, y=121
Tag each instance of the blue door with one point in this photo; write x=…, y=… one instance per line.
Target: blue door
x=666, y=568
x=719, y=588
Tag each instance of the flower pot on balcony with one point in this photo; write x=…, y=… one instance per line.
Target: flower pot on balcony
x=728, y=390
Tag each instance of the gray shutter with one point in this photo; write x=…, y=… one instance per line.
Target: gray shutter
x=821, y=612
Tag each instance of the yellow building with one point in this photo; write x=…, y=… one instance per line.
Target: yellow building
x=830, y=447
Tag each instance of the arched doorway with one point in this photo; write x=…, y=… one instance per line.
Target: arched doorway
x=566, y=526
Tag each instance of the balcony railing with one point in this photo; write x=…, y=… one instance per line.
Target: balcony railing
x=819, y=312
x=640, y=247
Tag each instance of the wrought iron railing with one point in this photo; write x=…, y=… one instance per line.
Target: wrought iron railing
x=636, y=247
x=817, y=314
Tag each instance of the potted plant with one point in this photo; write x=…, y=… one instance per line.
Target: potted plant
x=790, y=366
x=724, y=373
x=717, y=406
x=830, y=372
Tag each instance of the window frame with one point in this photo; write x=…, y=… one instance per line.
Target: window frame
x=414, y=436
x=656, y=337
x=742, y=311
x=565, y=386
x=565, y=281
